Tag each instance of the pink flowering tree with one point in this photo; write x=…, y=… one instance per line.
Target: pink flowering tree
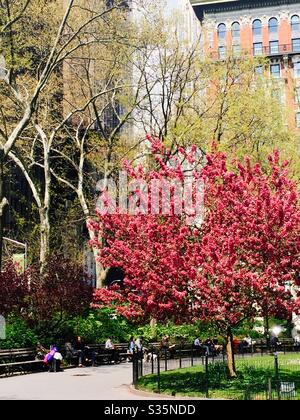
x=152, y=249
x=249, y=249
x=238, y=264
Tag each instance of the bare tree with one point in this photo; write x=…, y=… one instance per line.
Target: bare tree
x=72, y=35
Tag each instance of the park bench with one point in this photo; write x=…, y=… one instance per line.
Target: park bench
x=101, y=356
x=19, y=361
x=122, y=349
x=180, y=350
x=104, y=356
x=96, y=353
x=287, y=345
x=261, y=346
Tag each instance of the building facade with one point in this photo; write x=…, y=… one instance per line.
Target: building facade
x=181, y=24
x=269, y=28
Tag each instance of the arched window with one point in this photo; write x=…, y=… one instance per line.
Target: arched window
x=235, y=30
x=222, y=31
x=297, y=70
x=295, y=23
x=257, y=27
x=298, y=119
x=273, y=26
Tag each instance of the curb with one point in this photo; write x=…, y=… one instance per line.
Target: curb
x=155, y=396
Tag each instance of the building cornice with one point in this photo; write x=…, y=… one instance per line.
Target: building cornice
x=207, y=7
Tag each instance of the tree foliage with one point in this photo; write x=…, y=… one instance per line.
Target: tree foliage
x=45, y=301
x=236, y=266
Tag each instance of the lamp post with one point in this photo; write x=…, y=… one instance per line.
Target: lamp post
x=21, y=244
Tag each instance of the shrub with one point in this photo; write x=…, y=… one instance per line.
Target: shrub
x=101, y=324
x=185, y=332
x=18, y=334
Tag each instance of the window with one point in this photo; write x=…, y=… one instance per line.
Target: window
x=298, y=119
x=236, y=30
x=222, y=53
x=257, y=27
x=257, y=48
x=297, y=69
x=273, y=26
x=275, y=70
x=274, y=47
x=259, y=70
x=276, y=94
x=297, y=95
x=295, y=23
x=222, y=31
x=296, y=44
x=236, y=50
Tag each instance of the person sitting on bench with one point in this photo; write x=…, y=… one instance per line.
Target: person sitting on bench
x=110, y=348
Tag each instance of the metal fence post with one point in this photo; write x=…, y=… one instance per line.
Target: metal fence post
x=192, y=356
x=180, y=356
x=134, y=369
x=152, y=361
x=247, y=394
x=276, y=366
x=141, y=360
x=166, y=359
x=206, y=377
x=277, y=375
x=158, y=373
x=269, y=395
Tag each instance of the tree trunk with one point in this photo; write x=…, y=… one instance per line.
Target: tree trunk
x=44, y=238
x=153, y=326
x=101, y=272
x=44, y=211
x=230, y=354
x=3, y=203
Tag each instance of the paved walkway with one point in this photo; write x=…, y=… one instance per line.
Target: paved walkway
x=101, y=383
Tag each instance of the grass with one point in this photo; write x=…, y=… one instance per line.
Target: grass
x=251, y=383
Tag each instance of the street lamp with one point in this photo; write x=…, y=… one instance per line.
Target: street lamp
x=276, y=330
x=21, y=244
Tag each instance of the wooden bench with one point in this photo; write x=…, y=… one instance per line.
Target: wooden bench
x=99, y=355
x=179, y=351
x=19, y=361
x=287, y=344
x=261, y=346
x=122, y=349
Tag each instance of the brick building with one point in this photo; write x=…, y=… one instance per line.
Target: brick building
x=269, y=28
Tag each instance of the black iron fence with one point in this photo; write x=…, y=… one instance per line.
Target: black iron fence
x=261, y=376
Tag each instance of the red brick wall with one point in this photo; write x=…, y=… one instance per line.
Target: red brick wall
x=246, y=42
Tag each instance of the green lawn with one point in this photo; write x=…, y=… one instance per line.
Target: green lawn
x=253, y=376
